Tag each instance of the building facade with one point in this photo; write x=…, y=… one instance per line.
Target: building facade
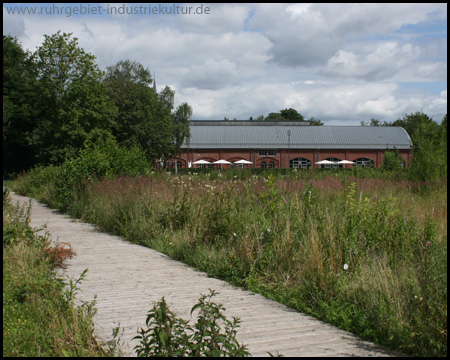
x=290, y=144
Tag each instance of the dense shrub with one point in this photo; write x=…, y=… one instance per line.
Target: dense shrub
x=58, y=186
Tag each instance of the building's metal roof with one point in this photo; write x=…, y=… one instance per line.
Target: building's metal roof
x=256, y=135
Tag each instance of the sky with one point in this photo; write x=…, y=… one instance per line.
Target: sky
x=339, y=63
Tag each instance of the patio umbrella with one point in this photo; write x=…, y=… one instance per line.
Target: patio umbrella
x=325, y=162
x=201, y=162
x=243, y=162
x=345, y=162
x=221, y=162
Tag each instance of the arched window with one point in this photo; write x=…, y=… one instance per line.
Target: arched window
x=300, y=163
x=364, y=162
x=171, y=164
x=332, y=166
x=263, y=165
x=271, y=165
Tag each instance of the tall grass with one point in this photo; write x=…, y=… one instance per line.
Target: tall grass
x=38, y=319
x=366, y=254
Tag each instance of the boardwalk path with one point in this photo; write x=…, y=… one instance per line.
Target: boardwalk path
x=128, y=279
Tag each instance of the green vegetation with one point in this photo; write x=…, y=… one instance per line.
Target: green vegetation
x=364, y=249
x=95, y=162
x=39, y=318
x=56, y=100
x=169, y=336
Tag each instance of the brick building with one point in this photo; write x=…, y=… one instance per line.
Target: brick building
x=291, y=144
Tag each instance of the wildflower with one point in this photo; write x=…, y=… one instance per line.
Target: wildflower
x=268, y=230
x=427, y=243
x=234, y=234
x=345, y=266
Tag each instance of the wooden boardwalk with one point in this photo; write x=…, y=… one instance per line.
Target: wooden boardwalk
x=128, y=279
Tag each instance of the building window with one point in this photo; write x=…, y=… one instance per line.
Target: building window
x=300, y=163
x=170, y=164
x=210, y=166
x=364, y=162
x=202, y=166
x=263, y=165
x=267, y=152
x=271, y=165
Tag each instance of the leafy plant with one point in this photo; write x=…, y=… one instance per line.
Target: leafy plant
x=169, y=336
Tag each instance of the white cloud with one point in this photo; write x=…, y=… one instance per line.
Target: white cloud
x=311, y=34
x=211, y=75
x=340, y=63
x=13, y=25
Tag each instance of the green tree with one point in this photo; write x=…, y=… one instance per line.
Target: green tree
x=181, y=119
x=19, y=107
x=145, y=118
x=429, y=146
x=291, y=115
x=429, y=153
x=412, y=122
x=274, y=117
x=128, y=85
x=73, y=102
x=315, y=122
x=392, y=160
x=284, y=115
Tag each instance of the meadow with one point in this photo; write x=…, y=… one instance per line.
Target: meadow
x=363, y=250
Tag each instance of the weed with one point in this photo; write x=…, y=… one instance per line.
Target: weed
x=169, y=336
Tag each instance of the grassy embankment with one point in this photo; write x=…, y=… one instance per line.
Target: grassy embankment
x=366, y=254
x=39, y=316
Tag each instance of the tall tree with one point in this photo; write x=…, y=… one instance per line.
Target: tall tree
x=19, y=110
x=73, y=101
x=412, y=122
x=145, y=117
x=128, y=85
x=430, y=146
x=291, y=115
x=181, y=119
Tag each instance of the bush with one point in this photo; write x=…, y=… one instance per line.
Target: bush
x=58, y=186
x=38, y=182
x=169, y=336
